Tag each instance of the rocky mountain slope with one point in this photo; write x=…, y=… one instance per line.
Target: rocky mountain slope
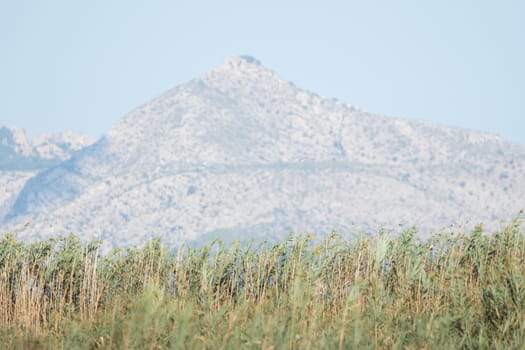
x=240, y=152
x=21, y=158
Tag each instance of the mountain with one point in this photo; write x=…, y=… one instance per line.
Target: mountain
x=17, y=152
x=60, y=146
x=21, y=158
x=241, y=152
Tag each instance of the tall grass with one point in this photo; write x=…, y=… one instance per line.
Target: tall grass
x=452, y=291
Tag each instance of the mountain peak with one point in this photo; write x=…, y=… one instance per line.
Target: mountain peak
x=17, y=139
x=242, y=75
x=242, y=60
x=243, y=65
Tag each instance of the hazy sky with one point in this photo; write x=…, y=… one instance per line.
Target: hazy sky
x=82, y=65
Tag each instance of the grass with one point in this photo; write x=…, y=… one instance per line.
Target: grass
x=451, y=291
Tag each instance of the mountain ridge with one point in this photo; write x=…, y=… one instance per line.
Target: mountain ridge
x=18, y=152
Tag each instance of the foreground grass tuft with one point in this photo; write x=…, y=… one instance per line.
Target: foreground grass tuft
x=460, y=291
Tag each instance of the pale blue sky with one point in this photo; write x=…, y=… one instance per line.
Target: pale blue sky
x=82, y=65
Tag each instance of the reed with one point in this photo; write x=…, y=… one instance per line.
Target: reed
x=451, y=291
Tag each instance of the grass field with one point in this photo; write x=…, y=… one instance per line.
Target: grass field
x=448, y=292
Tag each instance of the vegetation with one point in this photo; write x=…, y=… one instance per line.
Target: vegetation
x=451, y=291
